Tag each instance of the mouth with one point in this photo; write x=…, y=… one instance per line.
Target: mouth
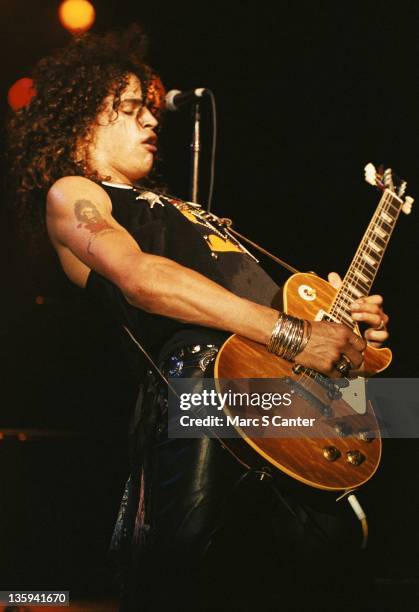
x=150, y=143
x=150, y=147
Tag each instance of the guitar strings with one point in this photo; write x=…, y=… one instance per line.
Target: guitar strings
x=358, y=264
x=370, y=236
x=343, y=299
x=340, y=308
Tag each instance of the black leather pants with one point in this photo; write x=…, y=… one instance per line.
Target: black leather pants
x=200, y=533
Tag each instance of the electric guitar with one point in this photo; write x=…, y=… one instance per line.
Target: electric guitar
x=343, y=448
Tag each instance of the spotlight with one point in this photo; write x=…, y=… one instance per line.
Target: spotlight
x=77, y=16
x=20, y=93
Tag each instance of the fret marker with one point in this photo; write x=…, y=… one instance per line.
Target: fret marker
x=369, y=259
x=386, y=217
x=361, y=276
x=380, y=232
x=354, y=291
x=374, y=246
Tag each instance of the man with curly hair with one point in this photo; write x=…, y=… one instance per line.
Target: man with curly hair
x=88, y=141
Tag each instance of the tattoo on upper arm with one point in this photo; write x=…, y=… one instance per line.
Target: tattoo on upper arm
x=90, y=218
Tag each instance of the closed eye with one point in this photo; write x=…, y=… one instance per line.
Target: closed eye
x=130, y=105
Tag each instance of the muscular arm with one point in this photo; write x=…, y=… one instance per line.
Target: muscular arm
x=80, y=223
x=85, y=226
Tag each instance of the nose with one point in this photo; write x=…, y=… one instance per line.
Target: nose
x=147, y=119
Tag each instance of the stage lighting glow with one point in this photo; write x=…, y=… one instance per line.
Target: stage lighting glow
x=20, y=93
x=77, y=15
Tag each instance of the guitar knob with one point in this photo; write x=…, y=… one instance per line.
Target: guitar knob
x=331, y=453
x=342, y=429
x=355, y=457
x=365, y=436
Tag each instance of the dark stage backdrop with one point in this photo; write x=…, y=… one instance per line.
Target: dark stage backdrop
x=307, y=93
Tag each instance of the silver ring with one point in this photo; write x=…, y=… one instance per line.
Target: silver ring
x=344, y=365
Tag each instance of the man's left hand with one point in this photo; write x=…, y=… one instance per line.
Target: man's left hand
x=367, y=310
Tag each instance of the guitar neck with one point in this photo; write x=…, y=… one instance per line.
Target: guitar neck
x=363, y=269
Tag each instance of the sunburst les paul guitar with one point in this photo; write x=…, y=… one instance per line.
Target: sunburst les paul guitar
x=344, y=449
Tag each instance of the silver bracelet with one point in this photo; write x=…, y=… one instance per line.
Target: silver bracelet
x=290, y=336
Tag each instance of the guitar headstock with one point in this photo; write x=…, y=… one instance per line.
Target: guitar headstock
x=386, y=179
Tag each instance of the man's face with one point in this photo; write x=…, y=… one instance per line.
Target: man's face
x=89, y=214
x=123, y=143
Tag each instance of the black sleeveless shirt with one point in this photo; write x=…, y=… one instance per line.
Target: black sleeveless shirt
x=185, y=233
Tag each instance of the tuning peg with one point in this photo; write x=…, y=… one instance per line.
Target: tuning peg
x=401, y=189
x=407, y=206
x=388, y=179
x=370, y=174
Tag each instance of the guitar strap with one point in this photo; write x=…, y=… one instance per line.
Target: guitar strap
x=228, y=223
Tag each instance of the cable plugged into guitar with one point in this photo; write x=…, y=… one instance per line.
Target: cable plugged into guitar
x=359, y=513
x=361, y=516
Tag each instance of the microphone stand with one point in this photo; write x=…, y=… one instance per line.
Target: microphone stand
x=195, y=154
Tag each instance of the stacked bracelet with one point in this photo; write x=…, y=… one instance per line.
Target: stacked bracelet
x=289, y=336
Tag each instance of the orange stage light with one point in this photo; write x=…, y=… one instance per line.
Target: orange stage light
x=20, y=93
x=76, y=15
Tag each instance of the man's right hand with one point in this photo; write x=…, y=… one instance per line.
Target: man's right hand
x=328, y=342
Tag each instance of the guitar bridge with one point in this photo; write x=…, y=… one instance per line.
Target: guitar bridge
x=307, y=395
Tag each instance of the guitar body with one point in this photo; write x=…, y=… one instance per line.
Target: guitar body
x=307, y=457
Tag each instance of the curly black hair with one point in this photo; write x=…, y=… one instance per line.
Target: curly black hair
x=70, y=88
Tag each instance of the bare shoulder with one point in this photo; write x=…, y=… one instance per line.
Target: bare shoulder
x=71, y=189
x=75, y=200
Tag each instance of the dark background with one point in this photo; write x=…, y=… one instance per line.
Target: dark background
x=307, y=93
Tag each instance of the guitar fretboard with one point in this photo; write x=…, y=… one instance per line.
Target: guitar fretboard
x=363, y=269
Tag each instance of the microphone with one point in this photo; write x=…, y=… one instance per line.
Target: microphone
x=176, y=98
